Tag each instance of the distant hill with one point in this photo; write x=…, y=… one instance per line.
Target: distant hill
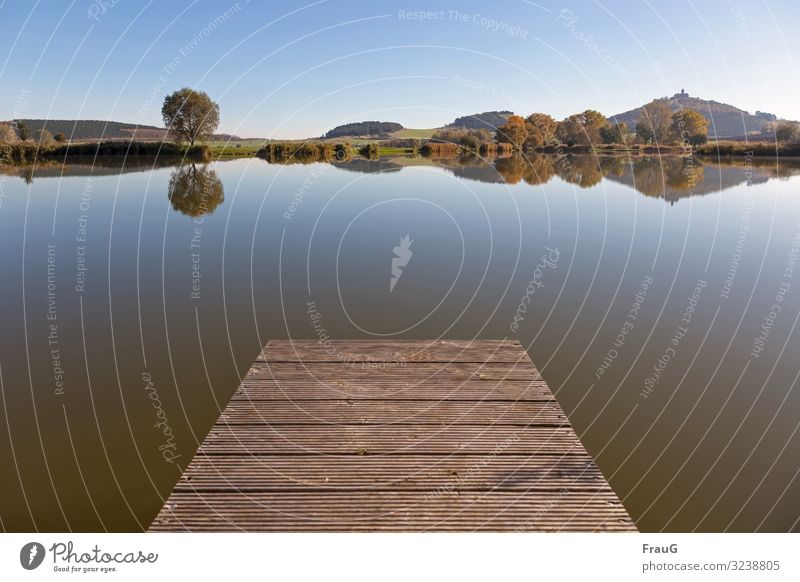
x=486, y=120
x=364, y=129
x=724, y=120
x=94, y=129
x=85, y=129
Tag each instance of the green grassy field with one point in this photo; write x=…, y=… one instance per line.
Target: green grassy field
x=414, y=133
x=234, y=149
x=393, y=151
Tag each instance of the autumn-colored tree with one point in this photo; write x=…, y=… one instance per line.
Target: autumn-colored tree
x=513, y=131
x=468, y=139
x=60, y=137
x=593, y=121
x=787, y=131
x=541, y=131
x=44, y=137
x=23, y=131
x=689, y=126
x=190, y=115
x=581, y=128
x=654, y=122
x=568, y=131
x=614, y=132
x=7, y=133
x=447, y=135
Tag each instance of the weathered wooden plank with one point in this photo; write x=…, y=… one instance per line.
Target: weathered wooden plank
x=415, y=373
x=404, y=511
x=360, y=389
x=416, y=439
x=432, y=474
x=391, y=352
x=430, y=344
x=343, y=412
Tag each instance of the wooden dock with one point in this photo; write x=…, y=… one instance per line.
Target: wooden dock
x=365, y=435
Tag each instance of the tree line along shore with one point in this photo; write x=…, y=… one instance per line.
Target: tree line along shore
x=191, y=117
x=312, y=151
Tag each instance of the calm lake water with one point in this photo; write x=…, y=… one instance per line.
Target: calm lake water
x=663, y=300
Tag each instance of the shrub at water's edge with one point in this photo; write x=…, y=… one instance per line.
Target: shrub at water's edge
x=742, y=148
x=436, y=149
x=29, y=152
x=306, y=153
x=117, y=148
x=369, y=151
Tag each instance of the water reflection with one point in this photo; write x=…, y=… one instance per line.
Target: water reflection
x=668, y=177
x=369, y=166
x=89, y=166
x=582, y=171
x=195, y=191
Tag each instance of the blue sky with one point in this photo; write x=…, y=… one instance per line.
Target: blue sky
x=296, y=69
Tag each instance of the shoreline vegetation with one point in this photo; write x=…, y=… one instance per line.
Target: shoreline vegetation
x=28, y=153
x=323, y=151
x=191, y=117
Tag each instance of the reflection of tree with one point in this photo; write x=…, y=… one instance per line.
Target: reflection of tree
x=581, y=170
x=194, y=191
x=652, y=176
x=612, y=165
x=648, y=176
x=767, y=167
x=539, y=170
x=473, y=168
x=511, y=168
x=369, y=166
x=684, y=173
